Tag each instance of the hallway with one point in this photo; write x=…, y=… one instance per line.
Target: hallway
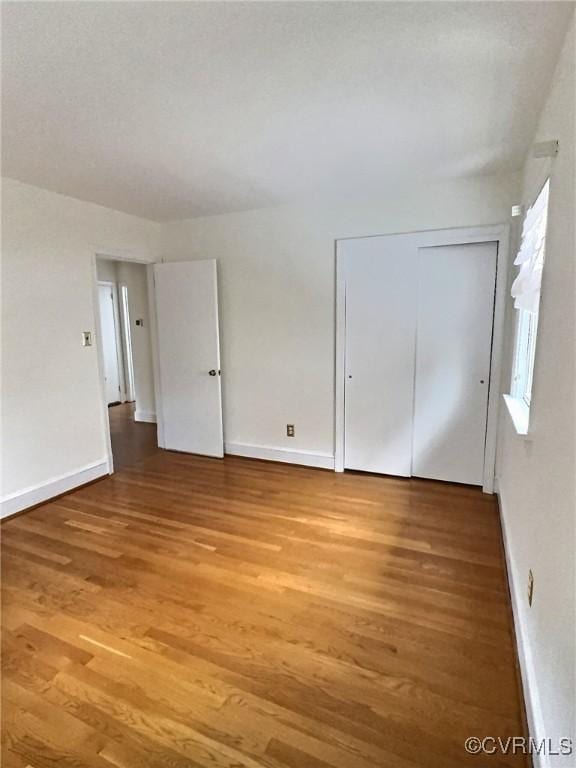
x=132, y=441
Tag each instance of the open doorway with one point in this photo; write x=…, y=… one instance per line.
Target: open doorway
x=126, y=353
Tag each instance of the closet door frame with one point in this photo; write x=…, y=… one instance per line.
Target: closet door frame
x=499, y=234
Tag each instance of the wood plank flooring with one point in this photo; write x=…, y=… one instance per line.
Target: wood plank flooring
x=131, y=440
x=233, y=613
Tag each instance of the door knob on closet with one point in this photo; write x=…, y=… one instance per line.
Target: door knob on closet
x=212, y=372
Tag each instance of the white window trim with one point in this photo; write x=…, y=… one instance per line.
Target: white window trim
x=519, y=412
x=523, y=373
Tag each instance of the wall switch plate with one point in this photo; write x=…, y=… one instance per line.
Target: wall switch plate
x=86, y=338
x=530, y=587
x=289, y=430
x=140, y=322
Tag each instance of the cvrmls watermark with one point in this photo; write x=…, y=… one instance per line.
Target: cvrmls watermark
x=517, y=745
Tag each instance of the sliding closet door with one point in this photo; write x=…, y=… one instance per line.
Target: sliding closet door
x=380, y=334
x=455, y=307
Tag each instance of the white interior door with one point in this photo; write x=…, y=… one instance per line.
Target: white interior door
x=380, y=336
x=108, y=334
x=189, y=356
x=455, y=306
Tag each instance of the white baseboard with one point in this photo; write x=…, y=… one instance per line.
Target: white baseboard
x=16, y=502
x=148, y=416
x=527, y=669
x=306, y=458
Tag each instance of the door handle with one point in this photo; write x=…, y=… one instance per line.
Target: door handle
x=212, y=372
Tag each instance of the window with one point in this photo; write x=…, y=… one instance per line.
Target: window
x=526, y=293
x=525, y=353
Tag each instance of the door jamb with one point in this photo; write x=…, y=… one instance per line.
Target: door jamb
x=499, y=233
x=120, y=362
x=151, y=278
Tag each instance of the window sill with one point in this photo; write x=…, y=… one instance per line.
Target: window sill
x=519, y=413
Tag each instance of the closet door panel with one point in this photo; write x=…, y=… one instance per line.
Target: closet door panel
x=380, y=337
x=455, y=308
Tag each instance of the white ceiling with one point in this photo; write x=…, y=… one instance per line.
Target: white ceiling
x=176, y=109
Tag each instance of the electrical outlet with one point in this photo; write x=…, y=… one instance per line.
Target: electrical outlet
x=530, y=587
x=289, y=430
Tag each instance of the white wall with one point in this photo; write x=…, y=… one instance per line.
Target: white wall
x=537, y=478
x=52, y=409
x=277, y=294
x=135, y=278
x=107, y=270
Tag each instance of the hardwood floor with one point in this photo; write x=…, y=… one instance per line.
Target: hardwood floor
x=200, y=612
x=131, y=440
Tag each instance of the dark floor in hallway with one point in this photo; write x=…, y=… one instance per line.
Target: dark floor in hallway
x=131, y=440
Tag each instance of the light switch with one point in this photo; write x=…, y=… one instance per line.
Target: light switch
x=86, y=338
